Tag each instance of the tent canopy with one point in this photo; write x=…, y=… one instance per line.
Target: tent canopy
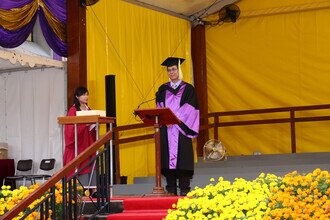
x=189, y=10
x=28, y=55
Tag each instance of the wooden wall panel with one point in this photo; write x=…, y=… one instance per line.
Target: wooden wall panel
x=76, y=38
x=198, y=49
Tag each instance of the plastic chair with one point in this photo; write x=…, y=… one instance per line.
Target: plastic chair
x=46, y=165
x=24, y=167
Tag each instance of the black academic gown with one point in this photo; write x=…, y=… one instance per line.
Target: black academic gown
x=186, y=109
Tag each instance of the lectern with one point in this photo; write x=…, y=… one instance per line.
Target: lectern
x=157, y=117
x=88, y=119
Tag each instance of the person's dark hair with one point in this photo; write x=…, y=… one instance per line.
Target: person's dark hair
x=78, y=92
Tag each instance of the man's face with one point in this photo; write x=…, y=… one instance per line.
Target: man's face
x=173, y=73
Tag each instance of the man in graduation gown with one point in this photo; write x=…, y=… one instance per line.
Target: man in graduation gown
x=177, y=158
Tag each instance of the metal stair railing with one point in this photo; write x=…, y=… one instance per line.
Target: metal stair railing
x=71, y=201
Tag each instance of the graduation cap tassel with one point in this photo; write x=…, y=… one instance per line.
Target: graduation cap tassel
x=180, y=71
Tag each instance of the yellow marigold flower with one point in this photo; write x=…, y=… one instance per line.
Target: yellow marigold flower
x=316, y=171
x=286, y=216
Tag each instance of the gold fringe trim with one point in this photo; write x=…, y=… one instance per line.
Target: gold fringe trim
x=17, y=18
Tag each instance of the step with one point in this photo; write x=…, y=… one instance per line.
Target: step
x=145, y=208
x=97, y=217
x=148, y=203
x=155, y=214
x=89, y=207
x=133, y=189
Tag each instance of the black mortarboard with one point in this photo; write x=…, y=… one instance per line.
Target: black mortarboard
x=171, y=61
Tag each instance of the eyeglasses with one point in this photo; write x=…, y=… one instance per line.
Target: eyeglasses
x=172, y=70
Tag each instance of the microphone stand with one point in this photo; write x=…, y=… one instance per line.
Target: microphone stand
x=142, y=104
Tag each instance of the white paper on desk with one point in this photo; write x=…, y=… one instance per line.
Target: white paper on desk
x=92, y=126
x=91, y=112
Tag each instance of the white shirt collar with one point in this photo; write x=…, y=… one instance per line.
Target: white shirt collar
x=176, y=84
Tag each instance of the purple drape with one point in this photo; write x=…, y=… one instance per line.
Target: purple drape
x=58, y=9
x=11, y=39
x=14, y=38
x=53, y=41
x=9, y=4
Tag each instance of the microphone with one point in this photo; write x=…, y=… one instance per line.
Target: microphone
x=161, y=89
x=143, y=103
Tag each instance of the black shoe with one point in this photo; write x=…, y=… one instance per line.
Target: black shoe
x=172, y=190
x=184, y=185
x=184, y=192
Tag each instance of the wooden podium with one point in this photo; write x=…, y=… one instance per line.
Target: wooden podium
x=88, y=119
x=157, y=117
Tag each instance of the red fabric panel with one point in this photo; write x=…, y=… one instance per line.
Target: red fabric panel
x=146, y=208
x=7, y=168
x=144, y=203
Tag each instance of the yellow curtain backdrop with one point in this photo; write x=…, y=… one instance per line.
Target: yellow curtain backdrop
x=275, y=55
x=131, y=42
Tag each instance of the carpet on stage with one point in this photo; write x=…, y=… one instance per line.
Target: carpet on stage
x=144, y=208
